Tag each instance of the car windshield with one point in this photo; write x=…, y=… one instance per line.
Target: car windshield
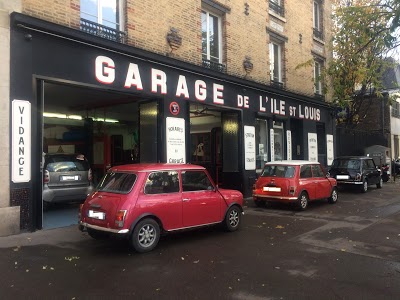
x=278, y=171
x=353, y=164
x=66, y=163
x=117, y=182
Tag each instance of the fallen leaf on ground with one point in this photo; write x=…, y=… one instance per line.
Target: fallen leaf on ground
x=279, y=227
x=196, y=261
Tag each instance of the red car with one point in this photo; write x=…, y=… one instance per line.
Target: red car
x=294, y=182
x=141, y=201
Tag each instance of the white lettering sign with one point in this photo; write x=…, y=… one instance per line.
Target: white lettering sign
x=21, y=141
x=272, y=144
x=249, y=148
x=289, y=144
x=329, y=149
x=312, y=147
x=176, y=149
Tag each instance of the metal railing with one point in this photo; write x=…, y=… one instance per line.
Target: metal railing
x=279, y=9
x=395, y=113
x=318, y=34
x=214, y=66
x=102, y=31
x=277, y=84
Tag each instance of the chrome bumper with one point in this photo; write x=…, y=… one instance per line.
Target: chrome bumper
x=349, y=182
x=84, y=225
x=276, y=197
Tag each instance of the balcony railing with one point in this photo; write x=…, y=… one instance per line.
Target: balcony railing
x=279, y=9
x=318, y=34
x=395, y=113
x=214, y=66
x=319, y=96
x=277, y=84
x=102, y=31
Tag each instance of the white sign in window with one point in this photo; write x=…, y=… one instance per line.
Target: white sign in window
x=289, y=144
x=249, y=148
x=21, y=141
x=329, y=149
x=176, y=149
x=312, y=147
x=272, y=144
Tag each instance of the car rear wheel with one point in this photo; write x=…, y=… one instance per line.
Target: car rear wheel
x=364, y=187
x=380, y=183
x=334, y=196
x=233, y=218
x=302, y=202
x=145, y=236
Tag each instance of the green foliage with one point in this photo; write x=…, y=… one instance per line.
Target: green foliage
x=364, y=32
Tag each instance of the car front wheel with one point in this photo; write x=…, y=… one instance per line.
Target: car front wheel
x=334, y=196
x=145, y=236
x=380, y=183
x=233, y=218
x=302, y=202
x=364, y=187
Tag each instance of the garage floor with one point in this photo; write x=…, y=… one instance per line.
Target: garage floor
x=61, y=216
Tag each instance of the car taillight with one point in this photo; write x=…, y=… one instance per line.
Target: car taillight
x=80, y=212
x=46, y=176
x=292, y=190
x=120, y=218
x=90, y=175
x=358, y=177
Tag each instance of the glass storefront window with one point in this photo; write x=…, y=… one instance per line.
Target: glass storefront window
x=261, y=143
x=278, y=141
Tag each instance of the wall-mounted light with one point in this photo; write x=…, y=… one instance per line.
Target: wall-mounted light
x=61, y=116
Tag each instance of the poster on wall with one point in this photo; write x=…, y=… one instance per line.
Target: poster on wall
x=329, y=149
x=312, y=147
x=176, y=149
x=21, y=141
x=272, y=144
x=249, y=148
x=289, y=144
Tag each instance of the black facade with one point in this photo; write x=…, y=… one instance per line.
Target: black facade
x=42, y=51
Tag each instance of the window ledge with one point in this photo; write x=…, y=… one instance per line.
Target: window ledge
x=318, y=40
x=275, y=15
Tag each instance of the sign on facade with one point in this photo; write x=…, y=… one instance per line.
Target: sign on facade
x=21, y=141
x=176, y=149
x=289, y=144
x=312, y=147
x=249, y=148
x=329, y=149
x=272, y=144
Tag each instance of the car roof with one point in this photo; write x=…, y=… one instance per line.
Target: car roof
x=146, y=167
x=353, y=157
x=292, y=162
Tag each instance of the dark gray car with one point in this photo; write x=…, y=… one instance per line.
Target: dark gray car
x=356, y=170
x=66, y=178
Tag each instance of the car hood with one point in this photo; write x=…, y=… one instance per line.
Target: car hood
x=232, y=195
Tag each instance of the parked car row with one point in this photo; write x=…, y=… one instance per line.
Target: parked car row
x=140, y=202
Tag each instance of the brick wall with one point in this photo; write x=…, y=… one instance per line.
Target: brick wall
x=147, y=24
x=63, y=12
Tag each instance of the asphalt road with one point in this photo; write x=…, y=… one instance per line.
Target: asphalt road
x=349, y=250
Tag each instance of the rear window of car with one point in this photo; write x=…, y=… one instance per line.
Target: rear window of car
x=352, y=164
x=66, y=163
x=278, y=171
x=117, y=182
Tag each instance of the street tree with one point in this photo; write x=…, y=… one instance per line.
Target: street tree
x=364, y=35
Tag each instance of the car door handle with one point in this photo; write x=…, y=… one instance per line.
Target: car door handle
x=186, y=199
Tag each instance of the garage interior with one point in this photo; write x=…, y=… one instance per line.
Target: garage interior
x=104, y=126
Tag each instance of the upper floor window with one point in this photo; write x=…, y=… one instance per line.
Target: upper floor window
x=104, y=12
x=277, y=7
x=103, y=18
x=211, y=36
x=317, y=19
x=317, y=77
x=275, y=60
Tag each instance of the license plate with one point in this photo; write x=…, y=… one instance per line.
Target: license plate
x=69, y=178
x=342, y=177
x=271, y=189
x=97, y=215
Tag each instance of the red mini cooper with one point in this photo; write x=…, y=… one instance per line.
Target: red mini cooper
x=141, y=201
x=294, y=182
